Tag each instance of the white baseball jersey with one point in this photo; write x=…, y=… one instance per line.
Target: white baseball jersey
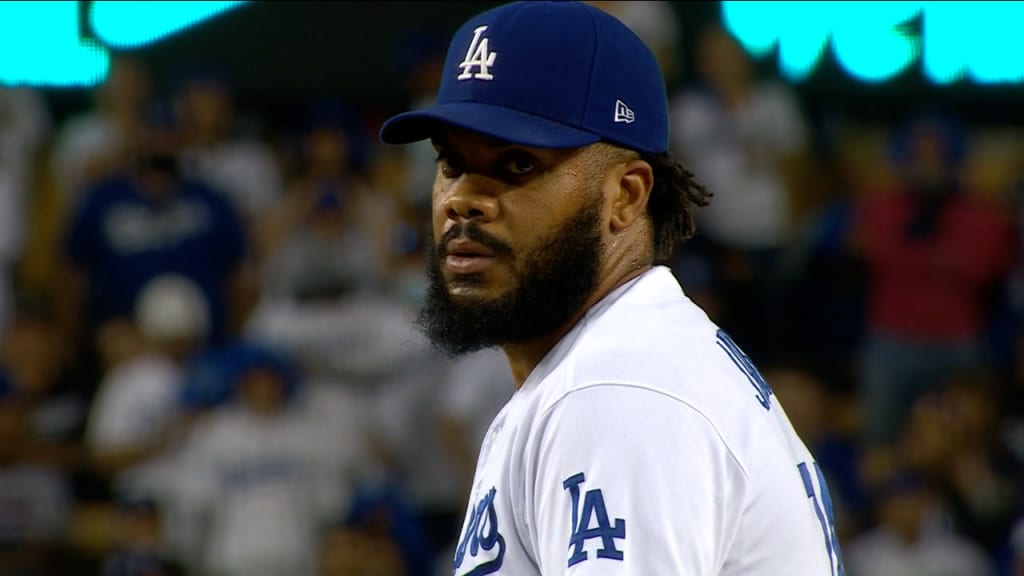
x=252, y=491
x=136, y=402
x=644, y=443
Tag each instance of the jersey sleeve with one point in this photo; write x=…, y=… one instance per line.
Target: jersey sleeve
x=630, y=481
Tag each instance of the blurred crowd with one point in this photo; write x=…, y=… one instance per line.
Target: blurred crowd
x=209, y=362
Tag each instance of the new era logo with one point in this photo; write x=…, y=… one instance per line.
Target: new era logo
x=623, y=113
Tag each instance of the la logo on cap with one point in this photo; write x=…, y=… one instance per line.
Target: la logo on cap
x=478, y=56
x=623, y=113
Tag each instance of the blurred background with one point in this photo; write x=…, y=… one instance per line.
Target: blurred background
x=209, y=269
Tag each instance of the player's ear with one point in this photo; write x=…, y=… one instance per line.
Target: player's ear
x=631, y=183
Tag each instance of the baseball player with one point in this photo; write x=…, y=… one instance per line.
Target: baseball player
x=639, y=439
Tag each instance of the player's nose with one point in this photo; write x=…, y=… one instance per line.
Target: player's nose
x=470, y=197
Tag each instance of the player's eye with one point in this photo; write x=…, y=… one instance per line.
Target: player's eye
x=449, y=166
x=519, y=164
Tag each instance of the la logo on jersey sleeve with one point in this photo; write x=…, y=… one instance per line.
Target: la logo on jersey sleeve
x=590, y=521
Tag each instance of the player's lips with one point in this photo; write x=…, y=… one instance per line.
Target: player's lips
x=467, y=257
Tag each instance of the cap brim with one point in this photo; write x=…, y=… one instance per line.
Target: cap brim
x=496, y=121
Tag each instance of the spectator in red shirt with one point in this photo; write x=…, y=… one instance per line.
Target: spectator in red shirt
x=935, y=253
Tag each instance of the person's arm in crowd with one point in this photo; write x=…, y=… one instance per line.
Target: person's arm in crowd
x=70, y=303
x=243, y=295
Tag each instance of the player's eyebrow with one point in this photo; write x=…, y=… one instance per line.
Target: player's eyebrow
x=444, y=142
x=439, y=142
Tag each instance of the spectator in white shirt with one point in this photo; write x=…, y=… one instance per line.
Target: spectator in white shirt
x=133, y=422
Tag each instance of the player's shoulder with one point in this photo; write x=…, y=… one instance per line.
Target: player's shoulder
x=649, y=336
x=658, y=346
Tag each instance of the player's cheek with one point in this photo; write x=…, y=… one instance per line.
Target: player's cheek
x=437, y=213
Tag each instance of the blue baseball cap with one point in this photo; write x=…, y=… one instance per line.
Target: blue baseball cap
x=554, y=74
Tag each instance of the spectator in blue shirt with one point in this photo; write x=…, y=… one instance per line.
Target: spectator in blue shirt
x=145, y=222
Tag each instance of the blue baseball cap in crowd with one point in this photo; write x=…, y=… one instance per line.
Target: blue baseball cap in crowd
x=554, y=74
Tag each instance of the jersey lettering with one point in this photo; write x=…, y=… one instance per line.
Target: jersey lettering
x=479, y=56
x=481, y=536
x=825, y=515
x=764, y=391
x=593, y=509
x=131, y=229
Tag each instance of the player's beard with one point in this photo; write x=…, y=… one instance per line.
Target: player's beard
x=551, y=284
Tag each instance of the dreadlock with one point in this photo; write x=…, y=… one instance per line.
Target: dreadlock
x=673, y=200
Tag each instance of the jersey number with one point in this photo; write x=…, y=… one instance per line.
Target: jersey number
x=823, y=508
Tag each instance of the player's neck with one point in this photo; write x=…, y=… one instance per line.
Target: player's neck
x=523, y=357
